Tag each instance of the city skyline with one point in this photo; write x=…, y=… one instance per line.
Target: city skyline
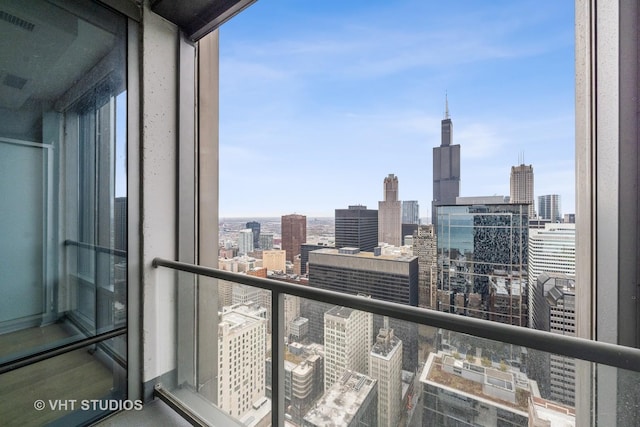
x=300, y=101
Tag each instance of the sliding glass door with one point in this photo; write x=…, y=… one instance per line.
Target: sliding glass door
x=63, y=208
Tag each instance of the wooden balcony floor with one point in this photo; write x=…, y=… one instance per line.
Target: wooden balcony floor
x=76, y=375
x=27, y=339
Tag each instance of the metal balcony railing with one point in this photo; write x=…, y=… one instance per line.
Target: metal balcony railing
x=592, y=351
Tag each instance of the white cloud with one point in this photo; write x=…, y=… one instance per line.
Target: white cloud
x=327, y=109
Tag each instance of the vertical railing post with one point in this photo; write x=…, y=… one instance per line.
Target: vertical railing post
x=277, y=358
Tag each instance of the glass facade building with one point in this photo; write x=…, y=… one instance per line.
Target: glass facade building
x=482, y=261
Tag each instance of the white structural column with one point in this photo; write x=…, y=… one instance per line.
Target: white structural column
x=207, y=202
x=158, y=137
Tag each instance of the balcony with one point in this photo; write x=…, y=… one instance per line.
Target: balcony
x=100, y=90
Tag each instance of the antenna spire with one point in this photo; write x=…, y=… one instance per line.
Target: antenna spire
x=446, y=105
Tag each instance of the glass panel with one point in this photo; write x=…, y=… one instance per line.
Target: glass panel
x=353, y=367
x=364, y=90
x=62, y=144
x=69, y=389
x=230, y=383
x=346, y=366
x=482, y=261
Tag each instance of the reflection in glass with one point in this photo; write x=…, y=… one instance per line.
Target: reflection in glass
x=62, y=143
x=83, y=381
x=482, y=261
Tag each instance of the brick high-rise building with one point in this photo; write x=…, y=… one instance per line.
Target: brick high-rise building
x=294, y=234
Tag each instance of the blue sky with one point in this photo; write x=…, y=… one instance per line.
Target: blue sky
x=320, y=101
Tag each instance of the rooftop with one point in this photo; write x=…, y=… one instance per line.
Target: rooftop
x=434, y=373
x=259, y=411
x=366, y=255
x=240, y=315
x=299, y=321
x=342, y=401
x=338, y=311
x=556, y=414
x=385, y=344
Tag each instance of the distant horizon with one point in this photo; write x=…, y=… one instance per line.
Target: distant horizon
x=279, y=216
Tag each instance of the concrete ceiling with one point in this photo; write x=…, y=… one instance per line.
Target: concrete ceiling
x=44, y=51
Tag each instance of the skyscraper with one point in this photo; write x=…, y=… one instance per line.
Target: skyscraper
x=294, y=234
x=551, y=250
x=549, y=207
x=554, y=310
x=243, y=364
x=410, y=212
x=385, y=365
x=391, y=278
x=255, y=228
x=446, y=167
x=356, y=227
x=347, y=341
x=120, y=223
x=305, y=249
x=482, y=261
x=390, y=213
x=384, y=277
x=245, y=241
x=426, y=249
x=266, y=241
x=522, y=187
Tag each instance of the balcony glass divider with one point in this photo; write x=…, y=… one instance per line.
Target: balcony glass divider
x=62, y=349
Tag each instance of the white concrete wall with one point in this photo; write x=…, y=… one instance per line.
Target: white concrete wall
x=158, y=89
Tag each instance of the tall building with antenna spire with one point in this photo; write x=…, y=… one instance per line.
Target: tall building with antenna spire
x=446, y=167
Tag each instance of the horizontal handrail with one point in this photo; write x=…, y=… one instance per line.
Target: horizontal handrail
x=593, y=351
x=100, y=249
x=181, y=409
x=58, y=350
